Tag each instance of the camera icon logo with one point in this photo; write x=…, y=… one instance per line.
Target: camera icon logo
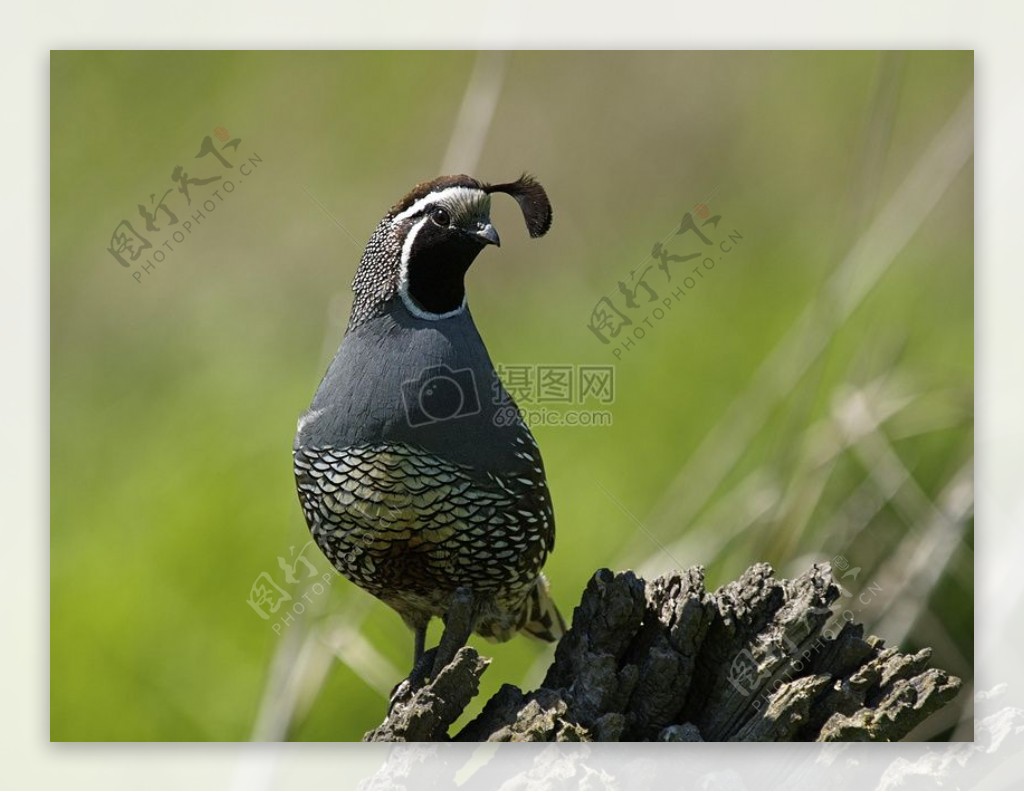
x=440, y=393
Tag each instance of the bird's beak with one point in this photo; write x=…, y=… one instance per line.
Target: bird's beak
x=486, y=233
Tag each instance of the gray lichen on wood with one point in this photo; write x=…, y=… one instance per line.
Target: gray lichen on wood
x=760, y=659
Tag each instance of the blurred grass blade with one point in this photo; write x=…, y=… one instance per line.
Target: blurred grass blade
x=869, y=258
x=473, y=122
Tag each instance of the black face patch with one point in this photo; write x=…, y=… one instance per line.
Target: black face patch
x=438, y=260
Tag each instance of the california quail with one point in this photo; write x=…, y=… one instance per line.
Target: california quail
x=417, y=476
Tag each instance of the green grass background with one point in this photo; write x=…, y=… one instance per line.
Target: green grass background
x=174, y=400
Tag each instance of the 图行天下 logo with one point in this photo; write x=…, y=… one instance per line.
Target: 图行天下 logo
x=281, y=597
x=196, y=191
x=699, y=243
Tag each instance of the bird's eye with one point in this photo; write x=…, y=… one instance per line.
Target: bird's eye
x=441, y=217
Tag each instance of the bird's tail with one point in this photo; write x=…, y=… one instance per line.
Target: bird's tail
x=543, y=620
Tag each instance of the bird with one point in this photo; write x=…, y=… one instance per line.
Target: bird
x=417, y=476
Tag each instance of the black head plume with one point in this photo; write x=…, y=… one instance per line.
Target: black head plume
x=532, y=200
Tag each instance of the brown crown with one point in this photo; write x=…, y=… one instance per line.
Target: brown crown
x=529, y=194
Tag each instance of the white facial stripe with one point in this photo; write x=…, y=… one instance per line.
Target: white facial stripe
x=459, y=194
x=403, y=269
x=403, y=278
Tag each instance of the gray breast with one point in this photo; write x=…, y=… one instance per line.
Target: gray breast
x=398, y=378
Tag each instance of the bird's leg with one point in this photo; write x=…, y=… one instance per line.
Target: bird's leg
x=422, y=662
x=458, y=626
x=419, y=642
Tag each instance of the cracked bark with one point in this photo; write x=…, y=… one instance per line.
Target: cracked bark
x=761, y=659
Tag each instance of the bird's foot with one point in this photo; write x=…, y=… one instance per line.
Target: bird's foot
x=458, y=626
x=418, y=678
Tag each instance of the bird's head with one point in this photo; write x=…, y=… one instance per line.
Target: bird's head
x=423, y=247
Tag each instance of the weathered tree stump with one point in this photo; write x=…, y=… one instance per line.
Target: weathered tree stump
x=759, y=659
